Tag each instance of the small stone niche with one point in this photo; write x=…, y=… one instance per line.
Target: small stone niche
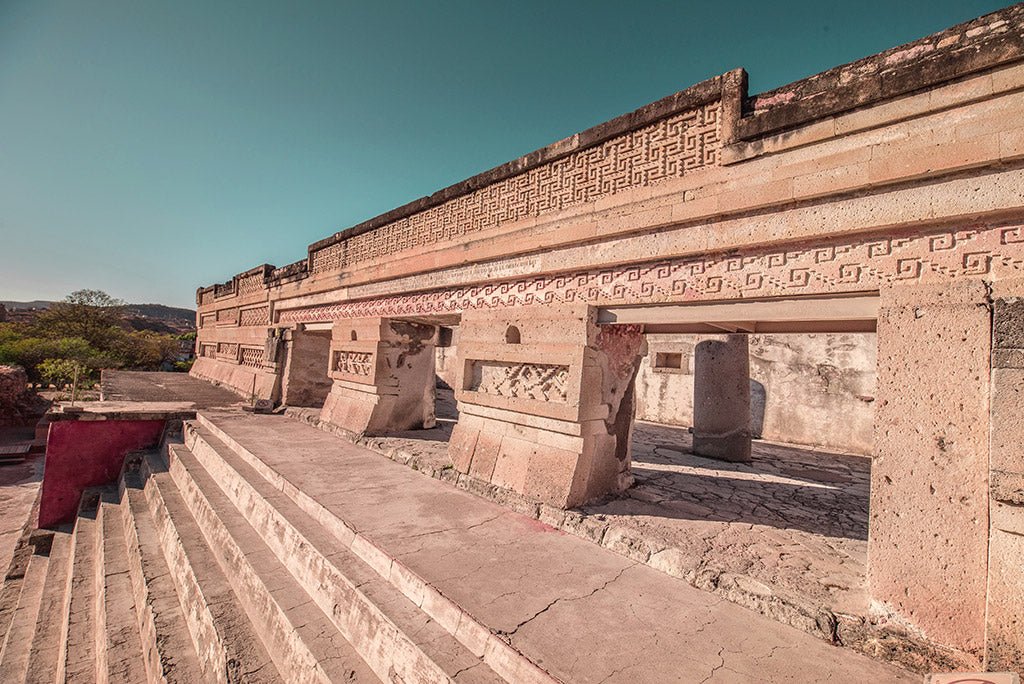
x=668, y=362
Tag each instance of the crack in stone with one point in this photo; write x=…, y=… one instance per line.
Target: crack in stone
x=450, y=529
x=716, y=668
x=510, y=634
x=465, y=669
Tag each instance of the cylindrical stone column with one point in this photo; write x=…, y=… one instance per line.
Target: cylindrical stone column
x=721, y=399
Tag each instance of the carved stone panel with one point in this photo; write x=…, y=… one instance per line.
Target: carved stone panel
x=352, y=363
x=539, y=381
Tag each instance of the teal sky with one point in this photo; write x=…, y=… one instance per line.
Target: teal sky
x=147, y=147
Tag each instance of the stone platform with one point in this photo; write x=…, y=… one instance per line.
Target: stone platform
x=785, y=535
x=119, y=385
x=532, y=584
x=794, y=520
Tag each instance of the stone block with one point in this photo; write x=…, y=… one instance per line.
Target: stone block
x=1005, y=620
x=485, y=456
x=383, y=373
x=462, y=446
x=1008, y=323
x=550, y=393
x=928, y=532
x=1007, y=420
x=553, y=477
x=512, y=463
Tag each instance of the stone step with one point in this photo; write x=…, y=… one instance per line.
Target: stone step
x=170, y=654
x=124, y=657
x=17, y=645
x=496, y=653
x=80, y=665
x=306, y=644
x=407, y=639
x=227, y=644
x=46, y=660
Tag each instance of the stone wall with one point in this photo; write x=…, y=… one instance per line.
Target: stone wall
x=16, y=401
x=815, y=389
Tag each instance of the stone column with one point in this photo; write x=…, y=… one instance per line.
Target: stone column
x=546, y=402
x=721, y=399
x=1004, y=642
x=929, y=519
x=383, y=373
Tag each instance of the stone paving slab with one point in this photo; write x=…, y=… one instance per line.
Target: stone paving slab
x=118, y=385
x=581, y=612
x=794, y=521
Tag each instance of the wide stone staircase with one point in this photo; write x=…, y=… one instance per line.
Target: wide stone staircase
x=196, y=567
x=259, y=549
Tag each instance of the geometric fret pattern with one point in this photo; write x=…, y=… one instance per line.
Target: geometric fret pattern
x=669, y=148
x=851, y=265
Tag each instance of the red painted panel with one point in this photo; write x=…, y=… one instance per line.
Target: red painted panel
x=87, y=453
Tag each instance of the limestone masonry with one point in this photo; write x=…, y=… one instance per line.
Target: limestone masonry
x=878, y=206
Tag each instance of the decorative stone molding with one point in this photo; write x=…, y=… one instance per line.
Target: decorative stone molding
x=259, y=315
x=670, y=148
x=227, y=351
x=857, y=264
x=352, y=363
x=227, y=317
x=251, y=357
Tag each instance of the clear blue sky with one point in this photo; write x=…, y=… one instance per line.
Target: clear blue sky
x=150, y=147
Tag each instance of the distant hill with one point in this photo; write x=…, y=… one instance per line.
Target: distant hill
x=167, y=314
x=155, y=317
x=37, y=304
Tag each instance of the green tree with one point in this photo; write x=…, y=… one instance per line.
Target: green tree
x=29, y=352
x=144, y=349
x=91, y=315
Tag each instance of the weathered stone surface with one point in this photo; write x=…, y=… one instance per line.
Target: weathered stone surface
x=305, y=379
x=383, y=373
x=530, y=584
x=547, y=403
x=17, y=402
x=721, y=399
x=929, y=494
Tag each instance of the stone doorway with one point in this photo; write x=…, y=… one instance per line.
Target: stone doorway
x=446, y=409
x=785, y=524
x=306, y=381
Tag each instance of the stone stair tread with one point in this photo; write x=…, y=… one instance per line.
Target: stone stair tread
x=177, y=658
x=247, y=657
x=80, y=664
x=124, y=643
x=336, y=655
x=44, y=660
x=18, y=643
x=438, y=644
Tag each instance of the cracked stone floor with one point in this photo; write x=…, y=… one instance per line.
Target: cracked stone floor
x=578, y=610
x=792, y=523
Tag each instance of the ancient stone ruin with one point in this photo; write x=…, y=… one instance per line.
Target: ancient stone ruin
x=884, y=196
x=640, y=326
